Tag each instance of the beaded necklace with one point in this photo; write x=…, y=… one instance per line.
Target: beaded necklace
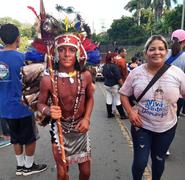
x=70, y=75
x=70, y=121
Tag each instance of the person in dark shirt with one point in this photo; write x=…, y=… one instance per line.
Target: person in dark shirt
x=112, y=83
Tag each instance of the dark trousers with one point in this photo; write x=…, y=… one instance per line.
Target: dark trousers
x=146, y=142
x=180, y=104
x=183, y=108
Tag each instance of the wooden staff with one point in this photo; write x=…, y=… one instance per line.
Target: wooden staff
x=55, y=102
x=49, y=44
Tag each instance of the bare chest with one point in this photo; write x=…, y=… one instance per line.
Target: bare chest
x=66, y=89
x=71, y=95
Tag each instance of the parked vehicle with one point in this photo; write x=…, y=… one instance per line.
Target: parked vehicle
x=99, y=76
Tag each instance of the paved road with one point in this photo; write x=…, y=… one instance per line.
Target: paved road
x=111, y=150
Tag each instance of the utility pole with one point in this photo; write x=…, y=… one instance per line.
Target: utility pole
x=182, y=20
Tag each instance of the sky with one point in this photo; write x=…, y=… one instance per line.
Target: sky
x=97, y=13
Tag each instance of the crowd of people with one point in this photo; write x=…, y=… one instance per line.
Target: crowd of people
x=71, y=88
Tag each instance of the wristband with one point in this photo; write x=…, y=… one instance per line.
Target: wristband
x=46, y=111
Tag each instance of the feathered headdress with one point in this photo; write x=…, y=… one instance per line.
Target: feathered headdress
x=69, y=39
x=50, y=28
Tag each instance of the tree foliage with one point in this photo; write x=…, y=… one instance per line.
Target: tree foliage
x=127, y=31
x=27, y=31
x=172, y=19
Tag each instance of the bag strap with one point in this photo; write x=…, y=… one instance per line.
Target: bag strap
x=173, y=58
x=159, y=73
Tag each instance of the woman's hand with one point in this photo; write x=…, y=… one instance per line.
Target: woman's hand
x=55, y=112
x=83, y=125
x=135, y=118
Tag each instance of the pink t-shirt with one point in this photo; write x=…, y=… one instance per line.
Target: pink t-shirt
x=158, y=106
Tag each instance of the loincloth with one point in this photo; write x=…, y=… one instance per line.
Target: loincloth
x=77, y=145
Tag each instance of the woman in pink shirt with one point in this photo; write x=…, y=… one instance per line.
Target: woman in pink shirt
x=154, y=118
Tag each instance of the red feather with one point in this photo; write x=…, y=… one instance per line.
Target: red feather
x=33, y=10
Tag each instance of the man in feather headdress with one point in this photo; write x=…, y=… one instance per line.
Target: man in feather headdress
x=75, y=93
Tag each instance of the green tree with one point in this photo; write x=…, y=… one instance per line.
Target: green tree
x=120, y=28
x=5, y=20
x=24, y=44
x=126, y=31
x=172, y=23
x=158, y=6
x=147, y=19
x=102, y=37
x=27, y=31
x=136, y=6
